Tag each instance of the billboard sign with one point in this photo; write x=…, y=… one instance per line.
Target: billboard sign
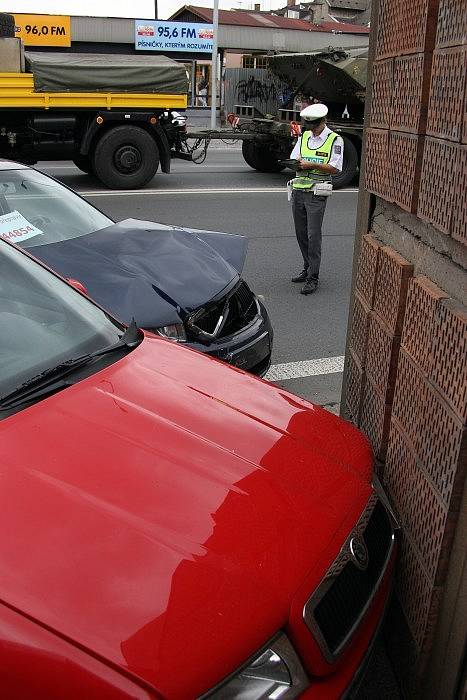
x=43, y=30
x=158, y=35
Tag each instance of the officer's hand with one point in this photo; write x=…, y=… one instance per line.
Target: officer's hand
x=303, y=164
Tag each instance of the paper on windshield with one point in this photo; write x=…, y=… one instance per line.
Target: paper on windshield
x=15, y=228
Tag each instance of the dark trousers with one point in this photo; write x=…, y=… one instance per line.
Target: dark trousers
x=308, y=213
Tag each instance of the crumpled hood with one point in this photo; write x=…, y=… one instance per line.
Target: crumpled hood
x=152, y=272
x=170, y=499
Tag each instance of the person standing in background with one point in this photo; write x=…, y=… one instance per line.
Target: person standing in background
x=202, y=93
x=319, y=153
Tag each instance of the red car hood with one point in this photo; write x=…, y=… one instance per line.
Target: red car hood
x=163, y=512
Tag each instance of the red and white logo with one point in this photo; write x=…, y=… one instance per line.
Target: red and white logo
x=145, y=30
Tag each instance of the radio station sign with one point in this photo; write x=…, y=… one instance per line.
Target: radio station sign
x=43, y=30
x=158, y=35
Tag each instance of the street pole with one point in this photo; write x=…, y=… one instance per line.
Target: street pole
x=155, y=9
x=215, y=21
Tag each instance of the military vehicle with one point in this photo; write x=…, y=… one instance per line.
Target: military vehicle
x=334, y=76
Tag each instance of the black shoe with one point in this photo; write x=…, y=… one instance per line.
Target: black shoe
x=301, y=277
x=310, y=286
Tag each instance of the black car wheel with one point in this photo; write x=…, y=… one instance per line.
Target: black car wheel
x=126, y=157
x=260, y=158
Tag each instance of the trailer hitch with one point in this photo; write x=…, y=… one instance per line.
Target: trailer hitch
x=195, y=152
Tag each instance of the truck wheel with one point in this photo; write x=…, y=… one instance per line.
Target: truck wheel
x=83, y=163
x=260, y=158
x=7, y=25
x=126, y=157
x=349, y=167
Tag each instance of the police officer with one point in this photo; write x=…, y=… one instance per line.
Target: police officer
x=319, y=152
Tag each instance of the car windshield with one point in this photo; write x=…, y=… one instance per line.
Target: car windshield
x=43, y=321
x=36, y=210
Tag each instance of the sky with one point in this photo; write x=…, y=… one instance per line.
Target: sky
x=122, y=8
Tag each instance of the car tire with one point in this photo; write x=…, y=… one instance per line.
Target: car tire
x=260, y=158
x=83, y=163
x=126, y=157
x=7, y=25
x=349, y=166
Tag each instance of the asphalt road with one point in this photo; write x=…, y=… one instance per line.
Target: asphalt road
x=224, y=194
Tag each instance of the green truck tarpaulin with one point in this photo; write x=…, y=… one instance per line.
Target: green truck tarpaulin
x=69, y=72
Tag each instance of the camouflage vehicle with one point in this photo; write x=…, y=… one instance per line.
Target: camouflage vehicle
x=334, y=76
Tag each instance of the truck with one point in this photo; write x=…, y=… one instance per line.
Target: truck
x=114, y=116
x=335, y=76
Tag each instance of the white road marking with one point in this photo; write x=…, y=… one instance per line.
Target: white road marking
x=214, y=168
x=58, y=167
x=305, y=368
x=192, y=191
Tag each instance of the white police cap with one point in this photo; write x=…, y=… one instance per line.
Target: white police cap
x=314, y=112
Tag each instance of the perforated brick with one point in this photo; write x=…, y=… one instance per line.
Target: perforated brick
x=440, y=442
x=452, y=23
x=411, y=87
x=381, y=358
x=438, y=183
x=398, y=473
x=404, y=179
x=407, y=406
x=359, y=328
x=377, y=162
x=382, y=92
x=385, y=43
x=464, y=128
x=375, y=419
x=449, y=355
x=422, y=513
x=367, y=268
x=414, y=589
x=392, y=280
x=425, y=519
x=447, y=93
x=403, y=27
x=418, y=332
x=355, y=382
x=459, y=213
x=348, y=415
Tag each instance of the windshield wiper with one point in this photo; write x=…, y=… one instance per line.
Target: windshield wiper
x=51, y=379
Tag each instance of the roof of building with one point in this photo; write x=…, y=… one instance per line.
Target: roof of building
x=344, y=28
x=268, y=21
x=245, y=19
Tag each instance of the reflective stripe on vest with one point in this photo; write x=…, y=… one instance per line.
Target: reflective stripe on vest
x=322, y=154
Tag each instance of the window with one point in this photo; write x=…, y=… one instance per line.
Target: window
x=261, y=62
x=249, y=61
x=43, y=321
x=36, y=210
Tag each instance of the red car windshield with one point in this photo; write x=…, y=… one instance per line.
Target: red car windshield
x=43, y=321
x=36, y=210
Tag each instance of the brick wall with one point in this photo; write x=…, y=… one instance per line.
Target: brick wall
x=406, y=360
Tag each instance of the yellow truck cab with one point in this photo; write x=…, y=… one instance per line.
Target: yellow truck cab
x=112, y=115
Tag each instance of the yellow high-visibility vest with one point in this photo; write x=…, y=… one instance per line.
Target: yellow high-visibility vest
x=308, y=178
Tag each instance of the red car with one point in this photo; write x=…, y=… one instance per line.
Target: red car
x=172, y=527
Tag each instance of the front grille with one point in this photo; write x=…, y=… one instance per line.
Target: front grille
x=341, y=601
x=239, y=307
